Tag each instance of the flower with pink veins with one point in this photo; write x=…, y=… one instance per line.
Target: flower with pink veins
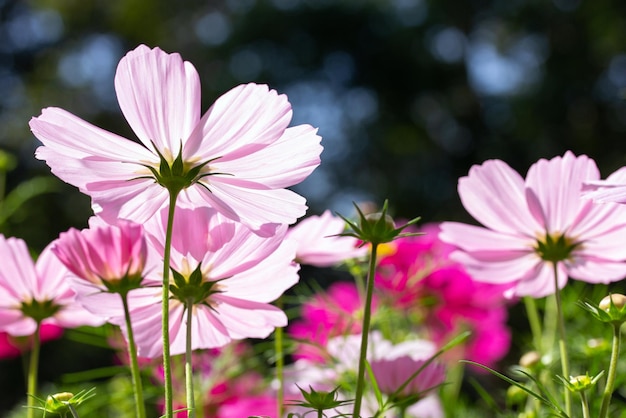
x=106, y=262
x=533, y=223
x=32, y=293
x=238, y=157
x=318, y=243
x=227, y=275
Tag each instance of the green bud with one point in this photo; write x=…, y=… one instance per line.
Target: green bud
x=582, y=382
x=515, y=395
x=376, y=228
x=320, y=401
x=616, y=299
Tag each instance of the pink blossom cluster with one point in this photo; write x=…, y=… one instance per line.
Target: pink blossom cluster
x=418, y=283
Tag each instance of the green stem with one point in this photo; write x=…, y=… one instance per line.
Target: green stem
x=191, y=400
x=562, y=341
x=134, y=364
x=33, y=367
x=165, y=322
x=610, y=380
x=367, y=313
x=584, y=404
x=73, y=412
x=534, y=322
x=280, y=364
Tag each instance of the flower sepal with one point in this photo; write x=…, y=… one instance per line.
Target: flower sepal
x=377, y=228
x=611, y=309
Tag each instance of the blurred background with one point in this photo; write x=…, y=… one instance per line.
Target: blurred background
x=407, y=94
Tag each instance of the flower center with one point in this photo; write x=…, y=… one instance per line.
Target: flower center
x=192, y=286
x=176, y=174
x=39, y=310
x=555, y=248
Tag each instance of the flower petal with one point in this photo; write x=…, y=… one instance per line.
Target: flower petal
x=284, y=163
x=159, y=94
x=243, y=120
x=557, y=186
x=493, y=193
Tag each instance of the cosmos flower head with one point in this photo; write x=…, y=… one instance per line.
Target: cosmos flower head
x=535, y=223
x=238, y=157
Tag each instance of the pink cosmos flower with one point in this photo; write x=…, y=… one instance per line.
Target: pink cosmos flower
x=327, y=315
x=318, y=245
x=416, y=274
x=532, y=223
x=104, y=254
x=36, y=292
x=228, y=275
x=238, y=157
x=392, y=373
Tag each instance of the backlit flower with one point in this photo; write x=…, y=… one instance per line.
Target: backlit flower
x=318, y=244
x=224, y=273
x=238, y=158
x=36, y=292
x=533, y=223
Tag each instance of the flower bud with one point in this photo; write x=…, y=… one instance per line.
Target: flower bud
x=530, y=359
x=617, y=299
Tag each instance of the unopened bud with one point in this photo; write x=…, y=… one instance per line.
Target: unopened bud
x=619, y=301
x=530, y=359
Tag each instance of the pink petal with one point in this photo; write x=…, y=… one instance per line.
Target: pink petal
x=247, y=319
x=498, y=270
x=539, y=282
x=242, y=121
x=593, y=270
x=253, y=207
x=284, y=163
x=557, y=186
x=613, y=189
x=267, y=280
x=493, y=193
x=159, y=95
x=476, y=239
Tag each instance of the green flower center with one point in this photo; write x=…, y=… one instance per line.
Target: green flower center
x=39, y=310
x=176, y=175
x=555, y=248
x=192, y=287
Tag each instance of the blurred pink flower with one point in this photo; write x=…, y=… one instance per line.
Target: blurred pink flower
x=392, y=373
x=317, y=243
x=532, y=223
x=416, y=274
x=326, y=315
x=226, y=272
x=238, y=158
x=14, y=346
x=36, y=292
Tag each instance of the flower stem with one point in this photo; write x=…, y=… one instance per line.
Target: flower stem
x=134, y=364
x=367, y=313
x=280, y=363
x=33, y=367
x=562, y=341
x=534, y=322
x=191, y=400
x=584, y=404
x=610, y=380
x=165, y=320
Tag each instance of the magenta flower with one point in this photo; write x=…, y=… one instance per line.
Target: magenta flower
x=330, y=314
x=532, y=223
x=36, y=292
x=224, y=272
x=238, y=158
x=14, y=346
x=318, y=244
